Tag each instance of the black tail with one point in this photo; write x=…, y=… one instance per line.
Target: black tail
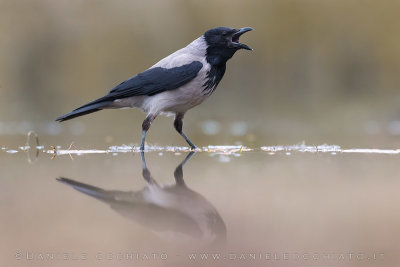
x=87, y=189
x=91, y=107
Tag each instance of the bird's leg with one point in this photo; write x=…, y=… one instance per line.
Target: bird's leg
x=145, y=127
x=145, y=172
x=178, y=123
x=144, y=166
x=178, y=173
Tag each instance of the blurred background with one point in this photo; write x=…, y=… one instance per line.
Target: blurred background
x=321, y=71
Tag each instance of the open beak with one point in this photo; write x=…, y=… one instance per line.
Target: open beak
x=236, y=36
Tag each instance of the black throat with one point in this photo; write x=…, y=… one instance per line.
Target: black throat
x=217, y=58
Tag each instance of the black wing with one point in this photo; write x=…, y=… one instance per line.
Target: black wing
x=150, y=82
x=156, y=80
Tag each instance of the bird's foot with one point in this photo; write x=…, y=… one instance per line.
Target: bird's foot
x=194, y=148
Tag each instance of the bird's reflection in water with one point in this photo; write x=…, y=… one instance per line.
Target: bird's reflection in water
x=174, y=212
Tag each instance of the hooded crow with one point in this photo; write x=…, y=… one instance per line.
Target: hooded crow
x=176, y=83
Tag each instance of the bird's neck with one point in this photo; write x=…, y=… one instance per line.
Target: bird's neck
x=215, y=55
x=214, y=76
x=198, y=47
x=218, y=56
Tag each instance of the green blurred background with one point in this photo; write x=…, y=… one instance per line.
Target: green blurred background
x=320, y=72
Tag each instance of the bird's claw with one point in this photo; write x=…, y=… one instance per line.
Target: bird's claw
x=194, y=148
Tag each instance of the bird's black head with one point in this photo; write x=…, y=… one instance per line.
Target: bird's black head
x=222, y=43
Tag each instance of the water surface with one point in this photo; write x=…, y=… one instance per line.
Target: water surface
x=234, y=205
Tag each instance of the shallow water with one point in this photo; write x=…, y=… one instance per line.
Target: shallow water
x=236, y=205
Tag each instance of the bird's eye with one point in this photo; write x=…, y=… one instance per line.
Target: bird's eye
x=224, y=33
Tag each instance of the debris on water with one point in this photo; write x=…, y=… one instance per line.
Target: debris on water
x=122, y=148
x=332, y=149
x=177, y=149
x=221, y=151
x=302, y=148
x=76, y=152
x=227, y=149
x=114, y=150
x=24, y=148
x=372, y=151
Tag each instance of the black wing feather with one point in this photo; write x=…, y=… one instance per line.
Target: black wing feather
x=156, y=80
x=150, y=82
